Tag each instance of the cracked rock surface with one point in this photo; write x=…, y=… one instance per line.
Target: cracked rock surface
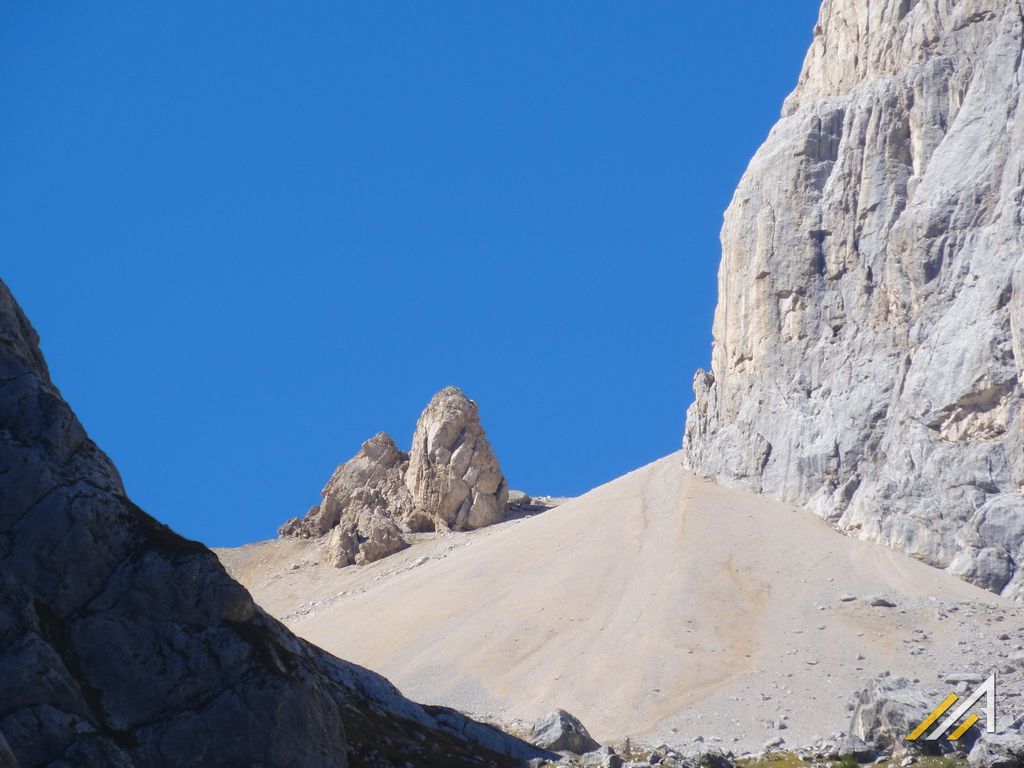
x=360, y=506
x=450, y=481
x=868, y=356
x=124, y=644
x=453, y=475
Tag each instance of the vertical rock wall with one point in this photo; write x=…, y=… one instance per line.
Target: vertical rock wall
x=867, y=355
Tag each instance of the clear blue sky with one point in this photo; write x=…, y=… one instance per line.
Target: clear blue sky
x=253, y=234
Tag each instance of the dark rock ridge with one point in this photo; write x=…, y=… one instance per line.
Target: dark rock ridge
x=451, y=480
x=124, y=644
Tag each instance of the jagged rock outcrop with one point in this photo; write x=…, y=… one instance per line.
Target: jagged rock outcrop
x=124, y=644
x=363, y=537
x=869, y=336
x=453, y=474
x=451, y=480
x=360, y=506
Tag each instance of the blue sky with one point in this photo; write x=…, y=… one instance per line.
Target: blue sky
x=251, y=235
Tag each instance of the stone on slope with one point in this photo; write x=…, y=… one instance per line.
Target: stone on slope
x=890, y=708
x=997, y=750
x=561, y=732
x=703, y=756
x=521, y=504
x=869, y=337
x=519, y=499
x=123, y=644
x=602, y=757
x=453, y=474
x=880, y=601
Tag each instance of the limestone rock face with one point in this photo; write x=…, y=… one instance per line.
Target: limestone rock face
x=869, y=336
x=453, y=474
x=451, y=480
x=360, y=506
x=363, y=537
x=123, y=644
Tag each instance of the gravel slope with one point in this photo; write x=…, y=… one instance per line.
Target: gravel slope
x=658, y=606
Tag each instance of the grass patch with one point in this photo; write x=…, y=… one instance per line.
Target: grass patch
x=791, y=760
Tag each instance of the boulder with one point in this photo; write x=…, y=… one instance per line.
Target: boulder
x=602, y=757
x=453, y=476
x=521, y=504
x=890, y=708
x=998, y=750
x=561, y=732
x=857, y=748
x=839, y=746
x=989, y=567
x=703, y=756
x=519, y=499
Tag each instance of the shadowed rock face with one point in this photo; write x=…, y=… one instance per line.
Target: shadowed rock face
x=123, y=644
x=868, y=355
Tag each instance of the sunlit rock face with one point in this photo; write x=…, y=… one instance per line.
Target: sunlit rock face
x=361, y=506
x=451, y=480
x=453, y=476
x=867, y=354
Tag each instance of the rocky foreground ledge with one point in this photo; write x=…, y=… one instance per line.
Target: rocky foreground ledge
x=883, y=714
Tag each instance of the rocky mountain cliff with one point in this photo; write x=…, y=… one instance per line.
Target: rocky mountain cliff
x=869, y=336
x=123, y=644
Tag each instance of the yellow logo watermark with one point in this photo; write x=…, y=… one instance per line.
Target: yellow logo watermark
x=987, y=689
